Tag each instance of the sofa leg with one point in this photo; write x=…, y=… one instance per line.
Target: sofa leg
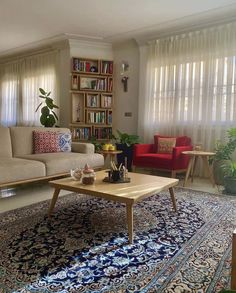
x=133, y=168
x=173, y=174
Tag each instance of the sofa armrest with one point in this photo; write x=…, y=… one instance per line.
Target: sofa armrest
x=181, y=161
x=81, y=147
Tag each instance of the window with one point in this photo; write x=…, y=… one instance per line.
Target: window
x=19, y=88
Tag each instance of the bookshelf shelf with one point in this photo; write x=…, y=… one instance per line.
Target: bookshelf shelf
x=91, y=98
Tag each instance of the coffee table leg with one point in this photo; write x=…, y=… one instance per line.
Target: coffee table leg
x=130, y=222
x=171, y=190
x=53, y=201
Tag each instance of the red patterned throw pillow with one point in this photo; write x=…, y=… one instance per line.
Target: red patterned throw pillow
x=166, y=144
x=45, y=142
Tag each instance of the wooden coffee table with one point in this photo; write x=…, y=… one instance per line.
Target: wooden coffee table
x=140, y=187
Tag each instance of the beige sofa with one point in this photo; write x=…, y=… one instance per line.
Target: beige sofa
x=18, y=164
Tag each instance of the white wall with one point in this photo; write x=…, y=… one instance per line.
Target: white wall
x=126, y=101
x=64, y=85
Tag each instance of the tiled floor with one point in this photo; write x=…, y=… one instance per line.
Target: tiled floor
x=32, y=193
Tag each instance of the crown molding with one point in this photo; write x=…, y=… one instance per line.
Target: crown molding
x=188, y=23
x=61, y=41
x=89, y=42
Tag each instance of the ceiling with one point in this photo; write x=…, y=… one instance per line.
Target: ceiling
x=24, y=22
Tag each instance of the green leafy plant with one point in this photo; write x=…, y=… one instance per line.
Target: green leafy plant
x=97, y=145
x=230, y=170
x=224, y=151
x=48, y=117
x=125, y=138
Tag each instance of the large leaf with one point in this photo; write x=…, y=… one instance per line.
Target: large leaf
x=50, y=121
x=42, y=97
x=45, y=111
x=43, y=119
x=42, y=91
x=55, y=115
x=38, y=107
x=55, y=106
x=49, y=103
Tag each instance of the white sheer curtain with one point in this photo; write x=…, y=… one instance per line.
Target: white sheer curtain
x=19, y=88
x=190, y=86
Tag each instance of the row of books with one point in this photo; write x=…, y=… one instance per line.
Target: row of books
x=99, y=84
x=81, y=133
x=106, y=101
x=84, y=66
x=93, y=101
x=103, y=133
x=110, y=85
x=96, y=117
x=107, y=67
x=109, y=117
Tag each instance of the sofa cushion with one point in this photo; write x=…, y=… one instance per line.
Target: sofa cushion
x=45, y=142
x=62, y=162
x=65, y=142
x=165, y=145
x=14, y=169
x=5, y=148
x=22, y=138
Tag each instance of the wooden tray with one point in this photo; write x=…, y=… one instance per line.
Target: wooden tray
x=106, y=179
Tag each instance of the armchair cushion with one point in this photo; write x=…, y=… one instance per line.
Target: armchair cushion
x=165, y=145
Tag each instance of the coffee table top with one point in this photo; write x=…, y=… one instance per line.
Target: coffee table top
x=140, y=187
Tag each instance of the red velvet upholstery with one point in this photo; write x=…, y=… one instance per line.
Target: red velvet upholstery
x=145, y=155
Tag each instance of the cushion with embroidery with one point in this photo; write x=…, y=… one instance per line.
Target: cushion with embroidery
x=45, y=142
x=166, y=144
x=65, y=142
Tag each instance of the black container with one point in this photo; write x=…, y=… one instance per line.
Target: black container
x=116, y=175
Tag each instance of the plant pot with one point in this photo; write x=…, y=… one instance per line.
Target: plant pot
x=126, y=157
x=230, y=184
x=218, y=171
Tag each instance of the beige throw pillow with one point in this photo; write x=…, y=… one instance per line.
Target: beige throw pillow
x=166, y=144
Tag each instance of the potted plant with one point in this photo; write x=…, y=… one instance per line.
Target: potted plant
x=97, y=145
x=223, y=155
x=48, y=117
x=230, y=178
x=124, y=143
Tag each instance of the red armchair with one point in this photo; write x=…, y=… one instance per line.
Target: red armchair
x=146, y=156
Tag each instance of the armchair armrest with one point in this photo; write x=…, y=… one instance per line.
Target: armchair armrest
x=140, y=149
x=180, y=161
x=80, y=147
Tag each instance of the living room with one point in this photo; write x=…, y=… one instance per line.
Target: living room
x=141, y=68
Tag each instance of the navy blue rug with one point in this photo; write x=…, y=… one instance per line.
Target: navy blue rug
x=84, y=246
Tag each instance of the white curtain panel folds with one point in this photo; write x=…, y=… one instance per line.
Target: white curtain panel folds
x=189, y=83
x=19, y=88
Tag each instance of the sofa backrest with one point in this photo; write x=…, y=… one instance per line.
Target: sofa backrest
x=5, y=148
x=22, y=138
x=180, y=140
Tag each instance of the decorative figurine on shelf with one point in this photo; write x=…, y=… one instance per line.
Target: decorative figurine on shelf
x=78, y=113
x=93, y=69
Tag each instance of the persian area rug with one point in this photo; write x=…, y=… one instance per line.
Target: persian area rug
x=84, y=248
